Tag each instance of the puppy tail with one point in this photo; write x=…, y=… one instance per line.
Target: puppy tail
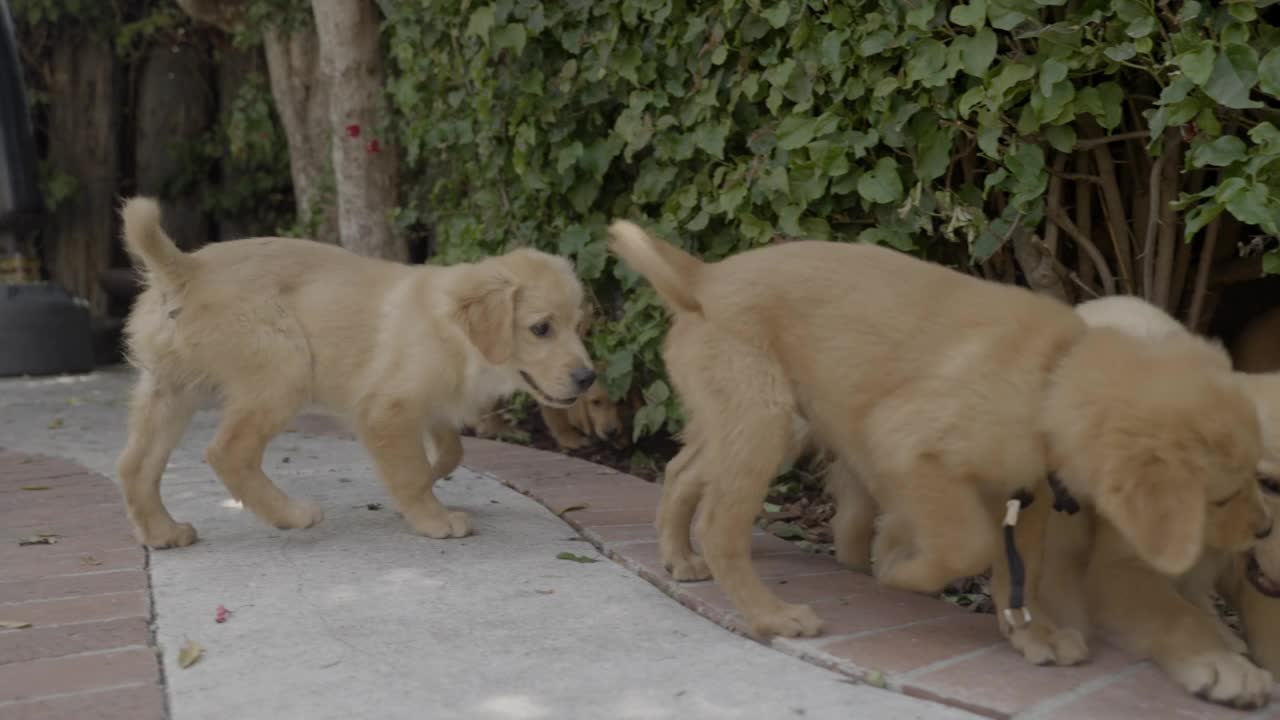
x=672, y=271
x=147, y=242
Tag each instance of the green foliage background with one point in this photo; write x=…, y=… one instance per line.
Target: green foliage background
x=942, y=129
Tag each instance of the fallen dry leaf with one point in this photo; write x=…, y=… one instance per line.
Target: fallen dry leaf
x=576, y=558
x=189, y=654
x=35, y=487
x=90, y=560
x=14, y=624
x=55, y=423
x=40, y=539
x=572, y=508
x=540, y=591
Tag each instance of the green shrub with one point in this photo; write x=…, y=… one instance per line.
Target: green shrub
x=966, y=133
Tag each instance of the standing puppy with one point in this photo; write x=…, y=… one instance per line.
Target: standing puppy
x=272, y=325
x=947, y=395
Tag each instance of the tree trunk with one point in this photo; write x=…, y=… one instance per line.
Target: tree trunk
x=84, y=102
x=300, y=90
x=301, y=93
x=175, y=105
x=365, y=169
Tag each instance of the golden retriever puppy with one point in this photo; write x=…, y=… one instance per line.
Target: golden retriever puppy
x=1257, y=349
x=404, y=353
x=594, y=416
x=947, y=395
x=1095, y=580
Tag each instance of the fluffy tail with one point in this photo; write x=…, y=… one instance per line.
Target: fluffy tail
x=147, y=242
x=672, y=271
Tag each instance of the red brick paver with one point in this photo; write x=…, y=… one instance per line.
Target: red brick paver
x=88, y=652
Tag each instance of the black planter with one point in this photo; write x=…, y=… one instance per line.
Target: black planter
x=43, y=331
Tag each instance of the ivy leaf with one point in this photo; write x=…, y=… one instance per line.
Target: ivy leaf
x=1198, y=63
x=481, y=22
x=1269, y=73
x=1061, y=137
x=973, y=15
x=1200, y=216
x=1219, y=152
x=977, y=52
x=1051, y=72
x=777, y=15
x=1121, y=52
x=511, y=36
x=591, y=259
x=711, y=139
x=1235, y=72
x=796, y=131
x=926, y=62
x=1141, y=27
x=889, y=238
x=882, y=184
x=1253, y=206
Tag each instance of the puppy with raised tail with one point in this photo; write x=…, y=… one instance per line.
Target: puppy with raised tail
x=269, y=326
x=946, y=396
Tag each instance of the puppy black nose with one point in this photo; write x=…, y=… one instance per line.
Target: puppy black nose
x=582, y=378
x=1265, y=532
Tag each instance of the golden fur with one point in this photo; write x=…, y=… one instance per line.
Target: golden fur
x=272, y=325
x=945, y=395
x=1096, y=582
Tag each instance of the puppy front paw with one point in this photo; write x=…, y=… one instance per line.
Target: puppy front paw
x=1043, y=644
x=687, y=568
x=785, y=621
x=1225, y=678
x=299, y=515
x=170, y=535
x=453, y=524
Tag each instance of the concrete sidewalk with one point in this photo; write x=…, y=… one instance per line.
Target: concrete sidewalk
x=359, y=618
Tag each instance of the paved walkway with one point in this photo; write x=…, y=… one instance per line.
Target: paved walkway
x=356, y=618
x=359, y=618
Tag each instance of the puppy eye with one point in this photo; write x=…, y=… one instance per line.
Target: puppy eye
x=1269, y=485
x=542, y=329
x=595, y=403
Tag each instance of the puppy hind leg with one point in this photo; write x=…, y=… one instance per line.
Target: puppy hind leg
x=158, y=418
x=853, y=525
x=248, y=426
x=746, y=457
x=682, y=490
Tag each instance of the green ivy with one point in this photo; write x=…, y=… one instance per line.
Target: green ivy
x=927, y=126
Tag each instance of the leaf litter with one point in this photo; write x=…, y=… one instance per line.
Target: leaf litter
x=575, y=558
x=190, y=652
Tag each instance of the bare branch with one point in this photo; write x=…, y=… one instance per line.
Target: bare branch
x=1090, y=143
x=1100, y=263
x=1202, y=273
x=1168, y=218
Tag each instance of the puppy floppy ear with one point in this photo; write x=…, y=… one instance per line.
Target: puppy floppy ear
x=486, y=312
x=1158, y=508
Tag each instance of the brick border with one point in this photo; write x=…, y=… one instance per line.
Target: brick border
x=90, y=650
x=920, y=646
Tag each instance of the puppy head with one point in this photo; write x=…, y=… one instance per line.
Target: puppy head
x=1159, y=436
x=522, y=311
x=1263, y=563
x=595, y=415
